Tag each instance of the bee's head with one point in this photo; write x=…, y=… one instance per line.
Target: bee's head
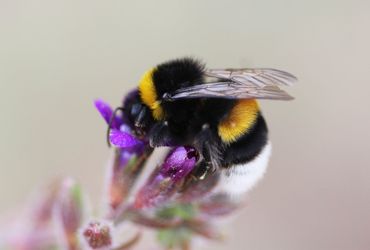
x=137, y=114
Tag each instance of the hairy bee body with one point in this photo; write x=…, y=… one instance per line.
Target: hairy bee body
x=176, y=104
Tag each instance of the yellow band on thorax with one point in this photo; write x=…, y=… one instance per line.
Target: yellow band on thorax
x=240, y=119
x=149, y=96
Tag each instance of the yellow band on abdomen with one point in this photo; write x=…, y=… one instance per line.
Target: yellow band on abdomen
x=240, y=119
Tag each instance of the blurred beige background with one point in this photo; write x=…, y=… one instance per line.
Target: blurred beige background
x=57, y=56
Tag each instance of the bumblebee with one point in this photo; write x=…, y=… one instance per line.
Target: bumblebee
x=180, y=102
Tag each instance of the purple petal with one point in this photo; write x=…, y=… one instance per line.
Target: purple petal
x=106, y=112
x=163, y=183
x=179, y=163
x=122, y=139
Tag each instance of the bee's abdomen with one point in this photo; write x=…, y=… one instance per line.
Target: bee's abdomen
x=248, y=146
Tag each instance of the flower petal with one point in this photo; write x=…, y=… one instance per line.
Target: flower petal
x=179, y=163
x=163, y=183
x=122, y=139
x=106, y=112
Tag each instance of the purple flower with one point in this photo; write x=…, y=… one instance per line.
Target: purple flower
x=120, y=134
x=107, y=112
x=171, y=201
x=123, y=139
x=128, y=160
x=179, y=163
x=162, y=184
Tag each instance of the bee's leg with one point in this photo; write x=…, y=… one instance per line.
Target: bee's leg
x=201, y=177
x=201, y=171
x=208, y=145
x=207, y=170
x=197, y=174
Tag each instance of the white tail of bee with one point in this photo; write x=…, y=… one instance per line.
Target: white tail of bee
x=239, y=179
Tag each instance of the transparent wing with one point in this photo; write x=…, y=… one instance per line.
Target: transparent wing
x=259, y=77
x=230, y=90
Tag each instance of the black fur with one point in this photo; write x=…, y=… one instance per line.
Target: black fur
x=175, y=74
x=195, y=121
x=171, y=76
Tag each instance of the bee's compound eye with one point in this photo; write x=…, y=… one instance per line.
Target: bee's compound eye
x=135, y=109
x=205, y=126
x=165, y=123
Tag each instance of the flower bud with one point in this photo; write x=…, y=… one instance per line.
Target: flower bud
x=164, y=182
x=98, y=235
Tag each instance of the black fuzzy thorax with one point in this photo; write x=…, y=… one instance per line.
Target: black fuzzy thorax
x=175, y=74
x=171, y=76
